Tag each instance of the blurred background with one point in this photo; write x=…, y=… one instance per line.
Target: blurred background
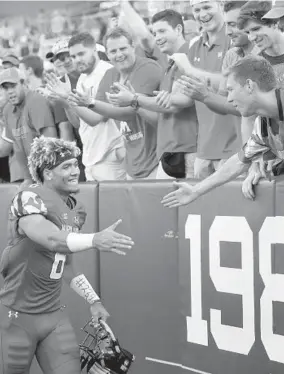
x=31, y=27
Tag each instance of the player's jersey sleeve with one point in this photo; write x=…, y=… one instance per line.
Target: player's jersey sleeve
x=26, y=203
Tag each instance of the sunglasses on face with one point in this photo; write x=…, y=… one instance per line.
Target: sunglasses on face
x=62, y=56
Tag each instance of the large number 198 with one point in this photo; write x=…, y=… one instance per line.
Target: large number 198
x=238, y=282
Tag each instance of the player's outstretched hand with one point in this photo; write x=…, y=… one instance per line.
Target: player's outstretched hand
x=182, y=196
x=108, y=240
x=98, y=311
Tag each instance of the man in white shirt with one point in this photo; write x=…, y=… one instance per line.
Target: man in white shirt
x=103, y=146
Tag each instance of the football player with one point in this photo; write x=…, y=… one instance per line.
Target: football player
x=44, y=224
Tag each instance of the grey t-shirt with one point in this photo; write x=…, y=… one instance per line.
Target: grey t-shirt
x=25, y=122
x=177, y=132
x=140, y=136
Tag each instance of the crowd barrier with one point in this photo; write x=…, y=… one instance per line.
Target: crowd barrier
x=201, y=291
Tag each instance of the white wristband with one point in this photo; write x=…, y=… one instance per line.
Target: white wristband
x=79, y=242
x=81, y=285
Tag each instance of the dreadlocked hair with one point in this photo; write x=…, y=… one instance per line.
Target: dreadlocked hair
x=45, y=152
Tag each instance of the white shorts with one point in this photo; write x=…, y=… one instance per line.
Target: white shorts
x=112, y=167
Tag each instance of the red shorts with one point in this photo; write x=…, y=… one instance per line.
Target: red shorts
x=48, y=337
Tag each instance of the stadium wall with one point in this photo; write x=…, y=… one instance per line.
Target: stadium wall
x=201, y=291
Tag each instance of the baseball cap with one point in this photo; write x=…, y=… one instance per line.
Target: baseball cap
x=60, y=46
x=11, y=75
x=254, y=10
x=276, y=12
x=12, y=59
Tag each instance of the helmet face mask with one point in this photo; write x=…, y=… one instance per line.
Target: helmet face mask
x=100, y=351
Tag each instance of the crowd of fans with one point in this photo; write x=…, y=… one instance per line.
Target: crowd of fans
x=150, y=102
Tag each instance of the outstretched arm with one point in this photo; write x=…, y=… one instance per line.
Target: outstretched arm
x=186, y=194
x=137, y=26
x=186, y=68
x=45, y=233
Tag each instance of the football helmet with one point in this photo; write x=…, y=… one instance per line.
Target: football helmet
x=100, y=351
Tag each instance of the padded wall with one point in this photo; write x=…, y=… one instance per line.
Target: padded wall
x=202, y=289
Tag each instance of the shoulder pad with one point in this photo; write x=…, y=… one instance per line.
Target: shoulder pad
x=26, y=203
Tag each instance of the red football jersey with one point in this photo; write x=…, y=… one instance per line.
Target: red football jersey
x=33, y=274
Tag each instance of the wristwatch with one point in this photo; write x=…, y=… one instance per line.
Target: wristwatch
x=134, y=102
x=92, y=104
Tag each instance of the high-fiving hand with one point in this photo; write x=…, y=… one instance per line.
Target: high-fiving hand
x=182, y=196
x=108, y=240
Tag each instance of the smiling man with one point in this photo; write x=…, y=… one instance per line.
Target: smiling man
x=269, y=39
x=241, y=46
x=252, y=89
x=27, y=115
x=103, y=148
x=277, y=13
x=219, y=136
x=143, y=75
x=44, y=223
x=177, y=125
x=265, y=33
x=177, y=128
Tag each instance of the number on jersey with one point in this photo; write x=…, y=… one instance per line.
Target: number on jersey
x=58, y=266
